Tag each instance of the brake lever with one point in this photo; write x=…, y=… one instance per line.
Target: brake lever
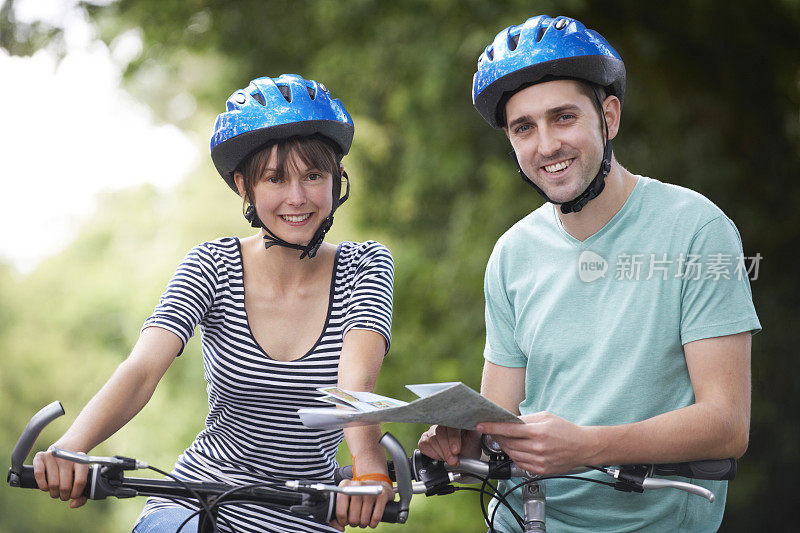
x=636, y=478
x=119, y=462
x=350, y=490
x=658, y=483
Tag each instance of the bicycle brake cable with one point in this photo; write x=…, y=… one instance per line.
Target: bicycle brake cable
x=201, y=501
x=501, y=498
x=129, y=463
x=222, y=499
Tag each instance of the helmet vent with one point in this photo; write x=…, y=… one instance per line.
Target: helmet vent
x=258, y=97
x=286, y=92
x=561, y=24
x=513, y=41
x=540, y=33
x=311, y=92
x=490, y=53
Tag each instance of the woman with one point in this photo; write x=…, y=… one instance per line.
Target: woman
x=274, y=328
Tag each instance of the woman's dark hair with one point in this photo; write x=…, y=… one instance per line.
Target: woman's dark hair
x=315, y=151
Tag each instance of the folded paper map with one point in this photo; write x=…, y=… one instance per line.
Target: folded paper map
x=449, y=404
x=361, y=401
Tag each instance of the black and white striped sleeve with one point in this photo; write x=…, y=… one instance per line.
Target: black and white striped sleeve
x=188, y=296
x=370, y=303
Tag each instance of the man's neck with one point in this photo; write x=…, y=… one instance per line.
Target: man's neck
x=600, y=210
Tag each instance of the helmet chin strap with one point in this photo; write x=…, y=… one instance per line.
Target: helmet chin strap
x=594, y=188
x=310, y=249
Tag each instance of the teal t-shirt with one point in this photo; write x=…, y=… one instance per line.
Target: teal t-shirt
x=600, y=326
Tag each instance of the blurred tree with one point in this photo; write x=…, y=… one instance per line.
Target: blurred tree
x=712, y=104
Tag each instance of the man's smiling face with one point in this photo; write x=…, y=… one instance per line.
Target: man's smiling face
x=553, y=129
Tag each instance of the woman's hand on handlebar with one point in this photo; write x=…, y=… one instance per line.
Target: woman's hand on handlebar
x=361, y=511
x=446, y=444
x=62, y=479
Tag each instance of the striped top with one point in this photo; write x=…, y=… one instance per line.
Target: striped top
x=252, y=429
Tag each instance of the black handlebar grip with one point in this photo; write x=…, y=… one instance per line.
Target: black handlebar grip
x=392, y=509
x=343, y=472
x=390, y=512
x=714, y=469
x=26, y=479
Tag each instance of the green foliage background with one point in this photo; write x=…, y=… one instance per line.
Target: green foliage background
x=712, y=104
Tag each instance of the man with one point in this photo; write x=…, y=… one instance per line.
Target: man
x=612, y=327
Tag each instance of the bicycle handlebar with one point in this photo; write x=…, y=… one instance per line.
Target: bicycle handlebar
x=414, y=475
x=431, y=475
x=105, y=479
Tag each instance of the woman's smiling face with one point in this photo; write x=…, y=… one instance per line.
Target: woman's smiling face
x=293, y=201
x=291, y=184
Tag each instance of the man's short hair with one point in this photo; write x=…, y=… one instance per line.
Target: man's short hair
x=596, y=93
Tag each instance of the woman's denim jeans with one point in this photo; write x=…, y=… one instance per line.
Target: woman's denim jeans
x=167, y=520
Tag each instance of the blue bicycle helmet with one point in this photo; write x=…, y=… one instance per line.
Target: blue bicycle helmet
x=272, y=109
x=542, y=49
x=276, y=108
